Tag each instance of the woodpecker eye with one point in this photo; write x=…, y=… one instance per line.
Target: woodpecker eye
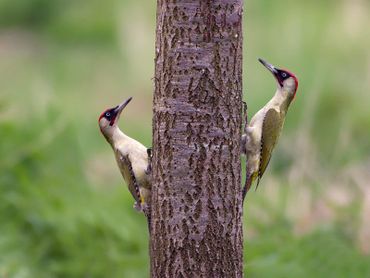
x=284, y=75
x=107, y=114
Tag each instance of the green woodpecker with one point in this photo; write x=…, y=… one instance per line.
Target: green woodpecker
x=132, y=157
x=262, y=133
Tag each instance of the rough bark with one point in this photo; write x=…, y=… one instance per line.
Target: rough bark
x=196, y=196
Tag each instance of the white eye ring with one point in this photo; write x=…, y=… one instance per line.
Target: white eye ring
x=284, y=74
x=107, y=114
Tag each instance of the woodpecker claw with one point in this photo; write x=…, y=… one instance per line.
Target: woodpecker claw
x=137, y=206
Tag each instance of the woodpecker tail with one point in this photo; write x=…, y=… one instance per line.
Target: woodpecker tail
x=149, y=225
x=149, y=219
x=247, y=186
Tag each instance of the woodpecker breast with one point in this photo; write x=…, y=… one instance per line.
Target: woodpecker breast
x=253, y=142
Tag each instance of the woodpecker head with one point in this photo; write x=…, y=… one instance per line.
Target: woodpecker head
x=109, y=118
x=286, y=80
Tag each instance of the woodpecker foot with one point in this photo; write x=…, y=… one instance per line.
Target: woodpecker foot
x=137, y=206
x=144, y=208
x=141, y=207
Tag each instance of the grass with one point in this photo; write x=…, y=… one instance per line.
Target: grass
x=63, y=209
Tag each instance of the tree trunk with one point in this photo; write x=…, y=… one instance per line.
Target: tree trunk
x=196, y=196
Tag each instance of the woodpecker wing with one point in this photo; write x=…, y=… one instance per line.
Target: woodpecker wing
x=132, y=182
x=271, y=128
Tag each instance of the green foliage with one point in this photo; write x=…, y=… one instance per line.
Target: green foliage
x=28, y=13
x=64, y=21
x=54, y=221
x=324, y=253
x=53, y=224
x=63, y=209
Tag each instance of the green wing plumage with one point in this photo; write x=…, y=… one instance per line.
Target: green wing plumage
x=271, y=129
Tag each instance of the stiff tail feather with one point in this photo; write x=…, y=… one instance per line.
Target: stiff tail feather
x=247, y=185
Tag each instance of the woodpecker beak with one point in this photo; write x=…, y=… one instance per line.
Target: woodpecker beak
x=269, y=67
x=121, y=106
x=118, y=110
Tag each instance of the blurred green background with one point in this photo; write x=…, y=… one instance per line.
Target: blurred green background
x=63, y=209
